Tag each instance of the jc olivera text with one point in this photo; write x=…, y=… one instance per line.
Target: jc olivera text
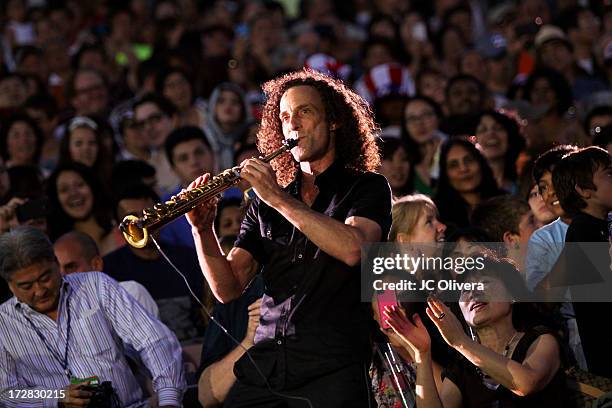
x=428, y=285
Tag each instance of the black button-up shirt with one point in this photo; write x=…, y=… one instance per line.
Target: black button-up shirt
x=590, y=263
x=331, y=324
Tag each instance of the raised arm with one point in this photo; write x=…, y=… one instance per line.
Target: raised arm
x=532, y=375
x=343, y=241
x=416, y=340
x=218, y=378
x=528, y=377
x=226, y=276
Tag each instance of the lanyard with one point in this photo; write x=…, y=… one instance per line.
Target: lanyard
x=63, y=362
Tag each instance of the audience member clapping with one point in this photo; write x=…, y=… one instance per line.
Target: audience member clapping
x=507, y=357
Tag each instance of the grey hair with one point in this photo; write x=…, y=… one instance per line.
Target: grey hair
x=21, y=248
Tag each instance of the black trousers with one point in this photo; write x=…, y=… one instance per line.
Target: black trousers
x=349, y=387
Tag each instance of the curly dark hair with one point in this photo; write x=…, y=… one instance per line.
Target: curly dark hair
x=356, y=147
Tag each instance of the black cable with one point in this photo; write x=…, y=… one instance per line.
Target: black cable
x=368, y=385
x=246, y=351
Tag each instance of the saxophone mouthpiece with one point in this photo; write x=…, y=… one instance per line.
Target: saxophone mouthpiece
x=290, y=143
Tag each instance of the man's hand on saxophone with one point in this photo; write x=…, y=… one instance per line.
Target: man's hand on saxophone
x=262, y=179
x=136, y=229
x=227, y=276
x=203, y=216
x=255, y=174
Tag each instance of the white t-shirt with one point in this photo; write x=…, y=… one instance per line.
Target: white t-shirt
x=142, y=295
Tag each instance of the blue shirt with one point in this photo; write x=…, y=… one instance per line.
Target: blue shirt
x=178, y=232
x=104, y=320
x=543, y=250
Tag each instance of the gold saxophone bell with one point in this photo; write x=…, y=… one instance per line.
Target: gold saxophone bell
x=136, y=230
x=136, y=237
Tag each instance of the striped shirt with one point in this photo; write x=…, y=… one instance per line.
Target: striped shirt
x=104, y=321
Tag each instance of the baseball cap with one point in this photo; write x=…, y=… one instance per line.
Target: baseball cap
x=548, y=33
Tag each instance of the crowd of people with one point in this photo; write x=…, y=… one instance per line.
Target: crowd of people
x=490, y=120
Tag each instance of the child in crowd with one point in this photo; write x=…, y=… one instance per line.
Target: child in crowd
x=546, y=243
x=583, y=183
x=507, y=220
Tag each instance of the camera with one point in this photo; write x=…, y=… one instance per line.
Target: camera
x=33, y=209
x=103, y=395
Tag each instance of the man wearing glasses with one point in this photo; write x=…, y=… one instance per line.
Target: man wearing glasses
x=155, y=117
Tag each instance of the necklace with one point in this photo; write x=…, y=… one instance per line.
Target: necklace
x=507, y=348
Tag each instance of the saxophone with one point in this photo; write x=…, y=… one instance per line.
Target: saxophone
x=136, y=230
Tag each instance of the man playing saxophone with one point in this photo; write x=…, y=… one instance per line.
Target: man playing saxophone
x=313, y=211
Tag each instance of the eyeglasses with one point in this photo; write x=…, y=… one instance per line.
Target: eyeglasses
x=149, y=121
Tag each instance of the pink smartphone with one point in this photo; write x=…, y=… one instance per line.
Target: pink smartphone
x=386, y=298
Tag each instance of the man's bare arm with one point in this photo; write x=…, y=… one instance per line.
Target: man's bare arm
x=226, y=276
x=342, y=241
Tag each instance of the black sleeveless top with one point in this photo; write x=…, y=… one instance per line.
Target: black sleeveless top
x=478, y=394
